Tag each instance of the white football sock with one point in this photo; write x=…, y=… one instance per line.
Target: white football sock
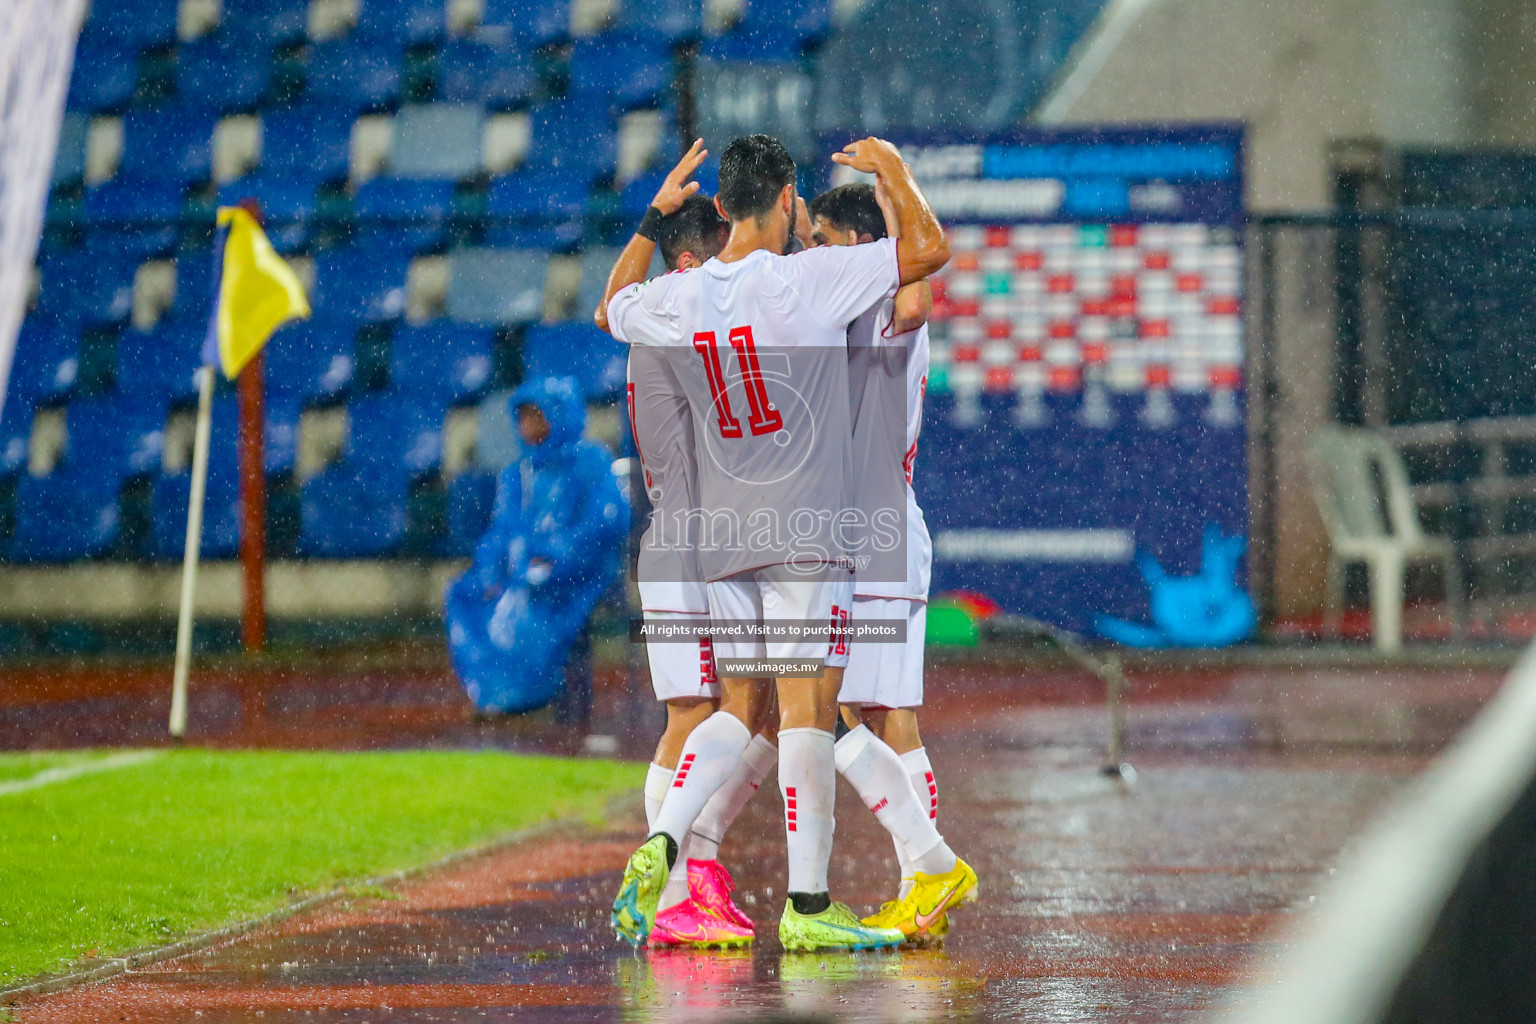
x=708, y=758
x=808, y=780
x=920, y=771
x=716, y=817
x=881, y=780
x=657, y=781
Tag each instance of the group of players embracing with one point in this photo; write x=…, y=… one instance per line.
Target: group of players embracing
x=776, y=378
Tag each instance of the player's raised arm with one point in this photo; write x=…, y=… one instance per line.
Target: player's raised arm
x=914, y=301
x=635, y=258
x=922, y=248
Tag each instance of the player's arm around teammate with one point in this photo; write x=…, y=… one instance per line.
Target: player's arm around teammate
x=913, y=301
x=921, y=248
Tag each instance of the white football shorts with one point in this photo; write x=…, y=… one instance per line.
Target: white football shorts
x=840, y=618
x=682, y=669
x=774, y=592
x=887, y=675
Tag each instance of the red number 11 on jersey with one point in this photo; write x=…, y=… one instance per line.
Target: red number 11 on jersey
x=763, y=418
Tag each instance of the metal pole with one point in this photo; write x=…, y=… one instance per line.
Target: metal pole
x=253, y=507
x=686, y=88
x=1113, y=675
x=189, y=559
x=1267, y=392
x=1108, y=670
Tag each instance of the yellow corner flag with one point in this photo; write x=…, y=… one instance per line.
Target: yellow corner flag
x=258, y=292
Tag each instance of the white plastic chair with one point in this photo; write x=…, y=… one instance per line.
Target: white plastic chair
x=1362, y=493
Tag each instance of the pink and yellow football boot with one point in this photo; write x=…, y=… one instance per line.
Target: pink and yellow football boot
x=689, y=924
x=710, y=886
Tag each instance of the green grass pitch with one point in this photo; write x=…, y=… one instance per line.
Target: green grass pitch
x=99, y=864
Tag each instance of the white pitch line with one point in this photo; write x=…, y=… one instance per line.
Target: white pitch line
x=72, y=771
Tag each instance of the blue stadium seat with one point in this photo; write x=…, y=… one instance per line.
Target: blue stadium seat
x=65, y=516
x=536, y=210
x=195, y=287
x=636, y=196
x=161, y=364
x=496, y=286
x=674, y=21
x=439, y=141
x=573, y=136
x=136, y=216
x=225, y=71
x=595, y=266
x=363, y=76
x=117, y=436
x=280, y=447
x=752, y=44
x=442, y=363
x=498, y=76
x=394, y=436
x=308, y=140
x=471, y=500
x=621, y=69
x=221, y=502
x=396, y=213
x=347, y=512
x=287, y=205
x=804, y=21
x=311, y=359
x=170, y=143
x=88, y=286
x=15, y=434
x=267, y=21
x=361, y=283
x=69, y=160
x=407, y=22
x=576, y=349
x=105, y=76
x=357, y=507
x=73, y=512
x=554, y=236
x=140, y=23
x=535, y=196
x=46, y=363
x=531, y=22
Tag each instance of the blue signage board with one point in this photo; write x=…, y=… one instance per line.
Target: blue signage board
x=1085, y=413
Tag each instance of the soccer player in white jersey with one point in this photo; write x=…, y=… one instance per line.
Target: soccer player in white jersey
x=888, y=354
x=781, y=474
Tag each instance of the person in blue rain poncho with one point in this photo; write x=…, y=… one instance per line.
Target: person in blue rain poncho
x=553, y=547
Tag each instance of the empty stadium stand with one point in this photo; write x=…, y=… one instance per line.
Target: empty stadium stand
x=450, y=178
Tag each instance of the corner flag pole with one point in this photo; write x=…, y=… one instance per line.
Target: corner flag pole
x=194, y=544
x=256, y=293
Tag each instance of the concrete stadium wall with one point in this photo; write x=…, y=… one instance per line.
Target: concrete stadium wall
x=1300, y=75
x=1303, y=76
x=124, y=591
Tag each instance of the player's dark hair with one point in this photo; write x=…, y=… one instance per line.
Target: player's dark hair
x=850, y=208
x=696, y=227
x=753, y=171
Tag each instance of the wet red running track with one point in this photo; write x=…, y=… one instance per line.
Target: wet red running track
x=1100, y=902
